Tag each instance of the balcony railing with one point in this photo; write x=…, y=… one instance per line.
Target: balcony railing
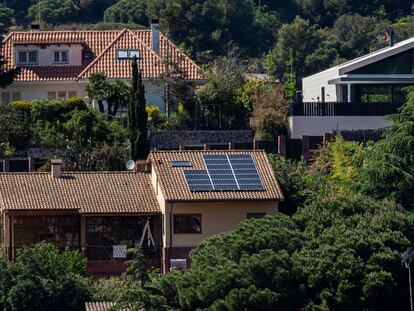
x=328, y=109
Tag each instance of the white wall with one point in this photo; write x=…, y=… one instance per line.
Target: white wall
x=31, y=91
x=317, y=126
x=154, y=92
x=45, y=56
x=312, y=86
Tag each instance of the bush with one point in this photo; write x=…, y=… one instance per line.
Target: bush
x=21, y=105
x=43, y=278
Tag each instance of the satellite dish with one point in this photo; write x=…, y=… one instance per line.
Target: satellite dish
x=130, y=165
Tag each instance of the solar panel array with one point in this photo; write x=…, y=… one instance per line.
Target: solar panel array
x=225, y=172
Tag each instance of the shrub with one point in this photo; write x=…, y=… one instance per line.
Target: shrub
x=21, y=105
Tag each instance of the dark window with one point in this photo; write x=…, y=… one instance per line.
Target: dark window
x=32, y=57
x=371, y=93
x=323, y=94
x=104, y=232
x=401, y=63
x=255, y=215
x=187, y=223
x=61, y=231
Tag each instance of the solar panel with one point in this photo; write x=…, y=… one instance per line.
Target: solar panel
x=198, y=180
x=225, y=172
x=245, y=171
x=220, y=172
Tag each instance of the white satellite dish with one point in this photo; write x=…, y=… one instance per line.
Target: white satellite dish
x=130, y=165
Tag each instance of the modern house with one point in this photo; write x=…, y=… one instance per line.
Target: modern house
x=355, y=95
x=57, y=64
x=174, y=201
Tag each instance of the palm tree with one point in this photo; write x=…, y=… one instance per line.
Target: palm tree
x=97, y=88
x=118, y=96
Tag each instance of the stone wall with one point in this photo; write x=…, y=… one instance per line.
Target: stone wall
x=175, y=139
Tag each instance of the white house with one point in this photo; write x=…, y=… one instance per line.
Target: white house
x=57, y=64
x=355, y=95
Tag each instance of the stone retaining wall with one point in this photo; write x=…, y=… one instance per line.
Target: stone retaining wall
x=175, y=139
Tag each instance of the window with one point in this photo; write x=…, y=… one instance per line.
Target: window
x=27, y=57
x=61, y=94
x=22, y=57
x=72, y=94
x=51, y=95
x=187, y=223
x=255, y=215
x=61, y=231
x=127, y=54
x=7, y=97
x=16, y=96
x=60, y=57
x=104, y=232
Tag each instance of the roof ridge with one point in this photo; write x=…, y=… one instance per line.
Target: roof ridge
x=77, y=173
x=204, y=151
x=102, y=53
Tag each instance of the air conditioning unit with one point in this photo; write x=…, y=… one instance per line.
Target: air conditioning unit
x=178, y=264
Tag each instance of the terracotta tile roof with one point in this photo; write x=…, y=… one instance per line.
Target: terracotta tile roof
x=174, y=187
x=87, y=192
x=103, y=45
x=98, y=306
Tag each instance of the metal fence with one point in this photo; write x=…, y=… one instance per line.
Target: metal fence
x=343, y=109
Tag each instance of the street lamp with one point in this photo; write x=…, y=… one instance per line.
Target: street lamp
x=407, y=258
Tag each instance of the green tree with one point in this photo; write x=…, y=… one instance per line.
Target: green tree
x=219, y=96
x=117, y=96
x=43, y=278
x=137, y=294
x=389, y=164
x=51, y=12
x=138, y=117
x=341, y=252
x=127, y=11
x=6, y=15
x=97, y=89
x=306, y=41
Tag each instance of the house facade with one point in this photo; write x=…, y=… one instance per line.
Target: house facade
x=175, y=201
x=355, y=95
x=57, y=64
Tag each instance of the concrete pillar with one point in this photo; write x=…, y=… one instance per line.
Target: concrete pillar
x=255, y=144
x=231, y=146
x=206, y=147
x=31, y=164
x=349, y=92
x=281, y=145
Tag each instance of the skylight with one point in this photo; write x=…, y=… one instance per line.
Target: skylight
x=181, y=164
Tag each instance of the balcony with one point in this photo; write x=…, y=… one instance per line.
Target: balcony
x=330, y=109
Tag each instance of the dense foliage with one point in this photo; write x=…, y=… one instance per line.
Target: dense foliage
x=82, y=136
x=43, y=278
x=319, y=32
x=341, y=253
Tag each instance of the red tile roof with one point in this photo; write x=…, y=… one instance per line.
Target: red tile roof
x=174, y=186
x=103, y=45
x=86, y=192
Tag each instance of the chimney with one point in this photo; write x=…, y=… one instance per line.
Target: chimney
x=56, y=167
x=155, y=35
x=34, y=27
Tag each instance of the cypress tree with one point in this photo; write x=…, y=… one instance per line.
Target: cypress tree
x=138, y=117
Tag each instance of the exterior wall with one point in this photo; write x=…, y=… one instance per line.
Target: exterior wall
x=33, y=91
x=45, y=56
x=154, y=92
x=317, y=126
x=312, y=86
x=217, y=217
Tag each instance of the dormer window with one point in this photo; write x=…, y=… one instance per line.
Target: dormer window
x=60, y=57
x=127, y=54
x=27, y=57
